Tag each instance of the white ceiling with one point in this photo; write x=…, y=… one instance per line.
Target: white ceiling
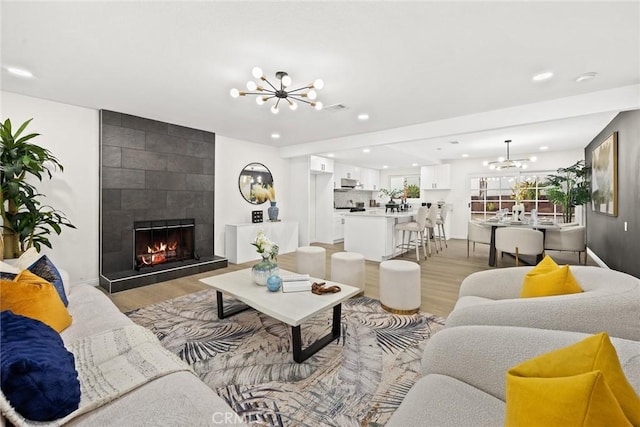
x=427, y=73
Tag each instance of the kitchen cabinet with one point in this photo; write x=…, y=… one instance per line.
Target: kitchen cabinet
x=436, y=177
x=370, y=179
x=338, y=227
x=319, y=164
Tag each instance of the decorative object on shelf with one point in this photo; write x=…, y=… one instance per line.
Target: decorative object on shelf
x=569, y=188
x=273, y=211
x=256, y=183
x=508, y=163
x=256, y=216
x=26, y=221
x=273, y=283
x=280, y=91
x=604, y=176
x=269, y=252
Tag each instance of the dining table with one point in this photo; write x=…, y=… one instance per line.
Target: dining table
x=506, y=221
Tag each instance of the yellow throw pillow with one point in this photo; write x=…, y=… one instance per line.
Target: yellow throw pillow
x=32, y=296
x=582, y=385
x=557, y=282
x=547, y=265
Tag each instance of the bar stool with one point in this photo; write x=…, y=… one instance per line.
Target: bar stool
x=431, y=224
x=444, y=211
x=311, y=260
x=348, y=268
x=400, y=286
x=417, y=227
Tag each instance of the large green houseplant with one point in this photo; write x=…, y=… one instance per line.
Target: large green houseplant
x=569, y=188
x=26, y=221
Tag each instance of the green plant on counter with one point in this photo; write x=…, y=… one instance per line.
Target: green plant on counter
x=491, y=206
x=392, y=193
x=26, y=221
x=413, y=191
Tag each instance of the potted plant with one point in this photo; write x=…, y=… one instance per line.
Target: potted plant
x=392, y=193
x=569, y=188
x=26, y=221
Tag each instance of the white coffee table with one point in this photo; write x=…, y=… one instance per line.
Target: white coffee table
x=292, y=308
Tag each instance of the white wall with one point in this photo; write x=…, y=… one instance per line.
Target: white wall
x=72, y=135
x=232, y=155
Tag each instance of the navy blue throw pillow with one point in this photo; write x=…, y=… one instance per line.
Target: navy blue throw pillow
x=44, y=268
x=38, y=374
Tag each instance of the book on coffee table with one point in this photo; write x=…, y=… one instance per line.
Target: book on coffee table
x=296, y=286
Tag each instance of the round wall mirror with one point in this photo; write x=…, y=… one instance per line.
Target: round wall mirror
x=255, y=183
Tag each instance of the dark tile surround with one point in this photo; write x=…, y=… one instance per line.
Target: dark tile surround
x=151, y=170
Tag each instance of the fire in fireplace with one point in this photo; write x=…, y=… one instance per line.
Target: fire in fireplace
x=162, y=241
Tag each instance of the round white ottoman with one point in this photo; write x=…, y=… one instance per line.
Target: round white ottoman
x=400, y=286
x=348, y=268
x=311, y=260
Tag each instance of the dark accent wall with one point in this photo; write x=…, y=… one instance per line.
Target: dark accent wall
x=152, y=170
x=605, y=234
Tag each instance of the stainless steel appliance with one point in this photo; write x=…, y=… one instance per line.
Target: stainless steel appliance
x=348, y=183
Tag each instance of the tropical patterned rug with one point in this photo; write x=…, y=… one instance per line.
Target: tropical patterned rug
x=357, y=380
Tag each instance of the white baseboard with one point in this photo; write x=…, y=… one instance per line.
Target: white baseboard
x=596, y=259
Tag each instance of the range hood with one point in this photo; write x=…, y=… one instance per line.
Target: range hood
x=348, y=183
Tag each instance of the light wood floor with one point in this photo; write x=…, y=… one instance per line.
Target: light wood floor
x=441, y=276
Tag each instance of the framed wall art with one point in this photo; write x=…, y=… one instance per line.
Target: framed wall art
x=604, y=176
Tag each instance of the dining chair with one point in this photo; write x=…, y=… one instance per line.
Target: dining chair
x=477, y=233
x=519, y=241
x=418, y=227
x=568, y=238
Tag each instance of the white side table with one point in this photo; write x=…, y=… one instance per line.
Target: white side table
x=238, y=238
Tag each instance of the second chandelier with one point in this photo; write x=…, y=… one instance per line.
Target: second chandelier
x=281, y=92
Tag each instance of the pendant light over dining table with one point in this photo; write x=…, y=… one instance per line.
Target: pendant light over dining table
x=508, y=163
x=280, y=91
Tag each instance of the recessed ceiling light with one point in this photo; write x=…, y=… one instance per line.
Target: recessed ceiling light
x=366, y=150
x=363, y=116
x=465, y=155
x=544, y=148
x=385, y=167
x=20, y=72
x=275, y=136
x=330, y=155
x=586, y=76
x=542, y=76
x=414, y=164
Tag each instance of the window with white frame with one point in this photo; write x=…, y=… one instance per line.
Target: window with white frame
x=491, y=193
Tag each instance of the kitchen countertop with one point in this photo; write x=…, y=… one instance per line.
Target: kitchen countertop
x=382, y=213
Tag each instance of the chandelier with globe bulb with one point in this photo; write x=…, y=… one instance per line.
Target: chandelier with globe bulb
x=280, y=91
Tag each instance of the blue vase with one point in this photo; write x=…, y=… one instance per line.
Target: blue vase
x=273, y=283
x=262, y=270
x=273, y=211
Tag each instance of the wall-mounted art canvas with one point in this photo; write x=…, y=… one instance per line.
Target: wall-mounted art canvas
x=604, y=176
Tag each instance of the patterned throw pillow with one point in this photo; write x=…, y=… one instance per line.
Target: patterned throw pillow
x=44, y=268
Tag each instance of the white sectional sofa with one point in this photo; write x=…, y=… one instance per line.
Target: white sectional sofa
x=175, y=399
x=491, y=330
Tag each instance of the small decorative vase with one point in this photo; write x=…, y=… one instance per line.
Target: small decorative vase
x=262, y=270
x=273, y=283
x=273, y=211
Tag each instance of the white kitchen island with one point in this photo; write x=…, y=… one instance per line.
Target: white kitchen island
x=371, y=233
